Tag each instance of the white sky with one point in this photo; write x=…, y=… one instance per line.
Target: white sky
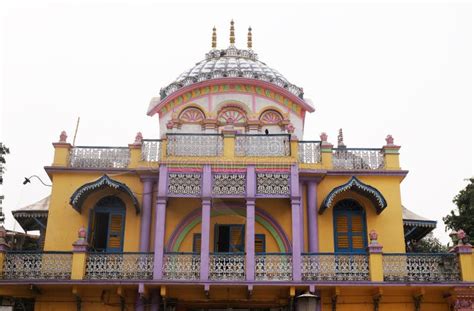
x=372, y=68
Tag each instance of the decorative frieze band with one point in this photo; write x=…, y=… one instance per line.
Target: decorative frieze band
x=184, y=184
x=229, y=184
x=273, y=184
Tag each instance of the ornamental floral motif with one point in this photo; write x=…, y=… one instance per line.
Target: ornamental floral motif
x=232, y=116
x=184, y=183
x=228, y=184
x=191, y=115
x=271, y=117
x=273, y=184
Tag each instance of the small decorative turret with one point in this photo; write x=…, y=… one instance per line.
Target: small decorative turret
x=214, y=38
x=232, y=34
x=63, y=137
x=340, y=140
x=323, y=137
x=138, y=138
x=249, y=39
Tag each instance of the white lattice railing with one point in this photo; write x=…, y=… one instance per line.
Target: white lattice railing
x=120, y=266
x=99, y=157
x=421, y=267
x=33, y=265
x=335, y=267
x=358, y=159
x=309, y=151
x=273, y=267
x=194, y=145
x=227, y=266
x=151, y=150
x=276, y=145
x=181, y=266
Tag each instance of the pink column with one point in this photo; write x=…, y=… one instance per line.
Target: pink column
x=250, y=225
x=295, y=222
x=146, y=215
x=206, y=221
x=312, y=217
x=160, y=222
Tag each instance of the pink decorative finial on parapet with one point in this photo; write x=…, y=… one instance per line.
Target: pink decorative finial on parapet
x=138, y=138
x=290, y=128
x=389, y=139
x=323, y=137
x=81, y=244
x=374, y=245
x=63, y=137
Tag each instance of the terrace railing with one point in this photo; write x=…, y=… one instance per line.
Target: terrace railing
x=181, y=266
x=36, y=265
x=151, y=150
x=120, y=266
x=309, y=151
x=194, y=145
x=99, y=157
x=358, y=158
x=227, y=266
x=335, y=267
x=419, y=267
x=258, y=145
x=273, y=267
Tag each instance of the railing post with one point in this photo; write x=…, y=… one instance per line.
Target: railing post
x=61, y=151
x=229, y=141
x=160, y=223
x=146, y=214
x=295, y=223
x=4, y=247
x=294, y=147
x=391, y=154
x=206, y=221
x=79, y=256
x=326, y=152
x=375, y=258
x=135, y=151
x=250, y=225
x=465, y=256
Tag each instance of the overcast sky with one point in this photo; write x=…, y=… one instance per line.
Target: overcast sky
x=372, y=68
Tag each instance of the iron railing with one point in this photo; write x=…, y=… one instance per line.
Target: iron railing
x=194, y=145
x=99, y=157
x=421, y=267
x=181, y=266
x=273, y=267
x=358, y=158
x=309, y=151
x=119, y=266
x=151, y=150
x=37, y=265
x=335, y=267
x=261, y=145
x=227, y=266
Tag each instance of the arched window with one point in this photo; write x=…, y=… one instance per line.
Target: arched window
x=191, y=115
x=271, y=117
x=350, y=233
x=107, y=224
x=232, y=115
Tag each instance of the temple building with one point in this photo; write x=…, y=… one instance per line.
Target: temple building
x=229, y=209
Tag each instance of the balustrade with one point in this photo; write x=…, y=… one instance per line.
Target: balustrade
x=99, y=157
x=335, y=267
x=227, y=266
x=358, y=159
x=309, y=151
x=151, y=150
x=33, y=265
x=120, y=266
x=273, y=267
x=181, y=266
x=272, y=145
x=421, y=267
x=198, y=145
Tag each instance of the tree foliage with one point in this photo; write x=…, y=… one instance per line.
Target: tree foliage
x=462, y=217
x=428, y=244
x=3, y=151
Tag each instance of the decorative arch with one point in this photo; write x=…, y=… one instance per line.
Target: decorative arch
x=80, y=195
x=359, y=187
x=261, y=217
x=271, y=116
x=232, y=114
x=191, y=114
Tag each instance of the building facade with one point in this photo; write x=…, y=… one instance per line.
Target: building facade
x=230, y=209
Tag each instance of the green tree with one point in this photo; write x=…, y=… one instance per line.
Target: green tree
x=428, y=244
x=462, y=217
x=3, y=152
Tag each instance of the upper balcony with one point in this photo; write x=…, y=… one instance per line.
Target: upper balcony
x=227, y=148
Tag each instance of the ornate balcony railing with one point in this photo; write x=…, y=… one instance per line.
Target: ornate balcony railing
x=34, y=265
x=335, y=267
x=194, y=145
x=181, y=266
x=309, y=151
x=421, y=267
x=99, y=157
x=151, y=150
x=227, y=266
x=273, y=267
x=120, y=266
x=257, y=145
x=358, y=158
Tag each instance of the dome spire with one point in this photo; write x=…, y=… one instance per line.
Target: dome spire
x=232, y=34
x=214, y=38
x=249, y=39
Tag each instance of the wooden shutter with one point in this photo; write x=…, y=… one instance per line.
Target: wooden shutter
x=357, y=231
x=349, y=227
x=115, y=232
x=342, y=232
x=236, y=238
x=197, y=243
x=260, y=243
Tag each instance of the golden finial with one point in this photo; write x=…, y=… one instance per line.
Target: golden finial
x=232, y=35
x=214, y=38
x=249, y=39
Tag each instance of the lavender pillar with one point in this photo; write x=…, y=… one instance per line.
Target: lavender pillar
x=160, y=217
x=206, y=221
x=302, y=216
x=250, y=224
x=312, y=217
x=295, y=222
x=146, y=215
